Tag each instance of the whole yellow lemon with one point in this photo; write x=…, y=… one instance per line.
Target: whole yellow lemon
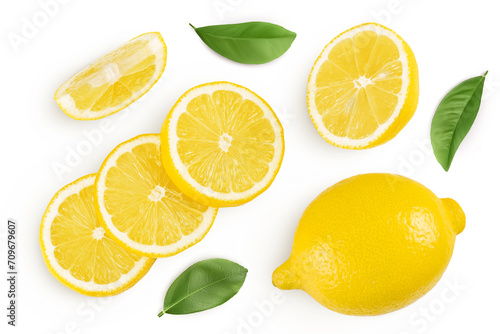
x=371, y=244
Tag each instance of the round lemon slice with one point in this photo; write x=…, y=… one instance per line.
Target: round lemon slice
x=114, y=81
x=363, y=88
x=222, y=144
x=77, y=250
x=141, y=208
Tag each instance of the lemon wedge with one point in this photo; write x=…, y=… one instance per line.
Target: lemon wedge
x=115, y=80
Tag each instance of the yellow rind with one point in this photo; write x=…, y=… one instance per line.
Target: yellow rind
x=371, y=244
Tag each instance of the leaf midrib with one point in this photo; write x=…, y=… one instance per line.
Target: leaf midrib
x=244, y=38
x=448, y=162
x=290, y=34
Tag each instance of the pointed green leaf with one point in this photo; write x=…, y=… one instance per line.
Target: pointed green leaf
x=204, y=285
x=454, y=118
x=249, y=42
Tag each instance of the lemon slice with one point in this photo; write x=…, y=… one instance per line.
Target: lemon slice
x=114, y=81
x=222, y=144
x=78, y=252
x=141, y=208
x=363, y=88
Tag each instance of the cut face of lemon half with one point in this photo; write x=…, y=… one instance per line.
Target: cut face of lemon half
x=222, y=144
x=77, y=250
x=141, y=208
x=363, y=88
x=114, y=81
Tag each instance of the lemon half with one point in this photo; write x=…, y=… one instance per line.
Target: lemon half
x=363, y=88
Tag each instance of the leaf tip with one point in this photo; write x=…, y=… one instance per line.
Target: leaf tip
x=446, y=164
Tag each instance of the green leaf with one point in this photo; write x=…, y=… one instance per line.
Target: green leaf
x=454, y=118
x=249, y=42
x=204, y=285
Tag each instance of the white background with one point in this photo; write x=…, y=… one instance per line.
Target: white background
x=452, y=41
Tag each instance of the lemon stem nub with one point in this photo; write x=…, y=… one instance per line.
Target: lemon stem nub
x=456, y=214
x=284, y=278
